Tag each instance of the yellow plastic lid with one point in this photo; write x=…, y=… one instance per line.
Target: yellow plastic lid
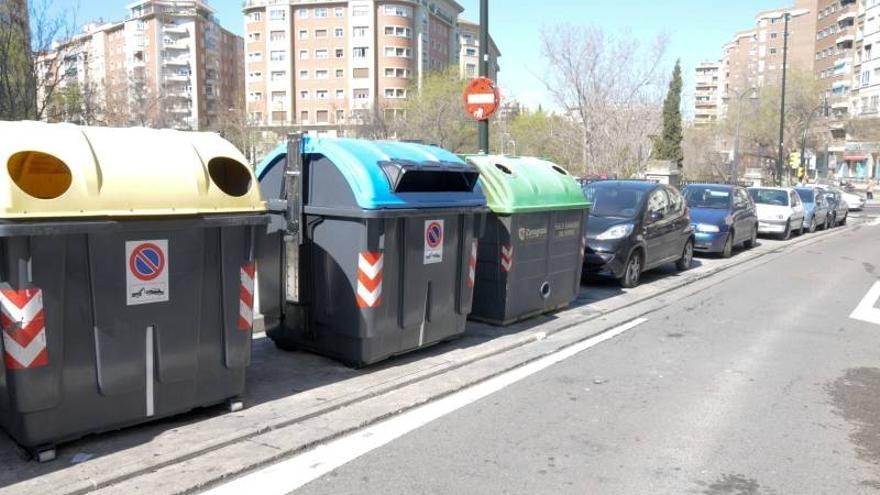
x=64, y=170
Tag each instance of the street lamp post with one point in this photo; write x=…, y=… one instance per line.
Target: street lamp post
x=483, y=125
x=734, y=165
x=780, y=158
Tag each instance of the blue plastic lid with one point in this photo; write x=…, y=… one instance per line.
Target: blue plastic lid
x=391, y=174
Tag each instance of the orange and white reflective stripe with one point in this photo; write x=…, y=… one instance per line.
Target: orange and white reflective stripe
x=506, y=258
x=246, y=297
x=369, y=280
x=472, y=265
x=24, y=329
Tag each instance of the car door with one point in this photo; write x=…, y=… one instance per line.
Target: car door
x=657, y=227
x=797, y=208
x=681, y=224
x=744, y=216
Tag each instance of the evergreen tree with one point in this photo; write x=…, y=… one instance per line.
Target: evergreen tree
x=667, y=146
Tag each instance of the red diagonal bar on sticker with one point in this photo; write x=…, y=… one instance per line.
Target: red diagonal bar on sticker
x=246, y=296
x=369, y=279
x=24, y=329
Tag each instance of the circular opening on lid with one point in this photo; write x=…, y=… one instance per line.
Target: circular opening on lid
x=38, y=174
x=503, y=169
x=560, y=170
x=231, y=176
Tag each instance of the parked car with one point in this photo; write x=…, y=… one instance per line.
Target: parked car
x=838, y=208
x=722, y=216
x=853, y=200
x=780, y=210
x=636, y=226
x=816, y=211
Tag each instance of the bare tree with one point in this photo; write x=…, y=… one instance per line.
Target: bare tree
x=28, y=80
x=612, y=87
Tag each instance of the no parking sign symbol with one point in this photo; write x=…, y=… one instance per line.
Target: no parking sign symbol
x=146, y=273
x=433, y=241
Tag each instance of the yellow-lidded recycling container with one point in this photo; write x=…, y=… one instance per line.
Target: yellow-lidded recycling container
x=126, y=277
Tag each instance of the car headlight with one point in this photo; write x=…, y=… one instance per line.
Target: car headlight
x=616, y=232
x=707, y=229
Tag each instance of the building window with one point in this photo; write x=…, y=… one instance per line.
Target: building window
x=398, y=31
x=303, y=34
x=255, y=76
x=360, y=11
x=360, y=52
x=278, y=75
x=773, y=51
x=277, y=55
x=396, y=51
x=321, y=74
x=339, y=12
x=322, y=117
x=340, y=94
x=361, y=94
x=470, y=70
x=340, y=115
x=303, y=13
x=303, y=54
x=278, y=96
x=277, y=35
x=304, y=94
x=304, y=117
x=303, y=74
x=320, y=33
x=277, y=15
x=340, y=73
x=278, y=117
x=339, y=32
x=360, y=73
x=252, y=56
x=256, y=16
x=321, y=54
x=359, y=31
x=321, y=12
x=253, y=36
x=397, y=10
x=470, y=52
x=395, y=93
x=255, y=96
x=340, y=53
x=321, y=94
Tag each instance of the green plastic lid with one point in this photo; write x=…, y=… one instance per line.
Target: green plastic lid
x=524, y=184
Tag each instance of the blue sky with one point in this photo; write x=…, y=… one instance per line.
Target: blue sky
x=696, y=28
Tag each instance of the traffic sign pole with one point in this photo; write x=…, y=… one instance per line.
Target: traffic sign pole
x=484, y=69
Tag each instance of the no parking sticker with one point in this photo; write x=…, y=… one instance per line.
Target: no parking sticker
x=433, y=241
x=146, y=272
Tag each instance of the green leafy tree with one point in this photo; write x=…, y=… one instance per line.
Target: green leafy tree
x=667, y=146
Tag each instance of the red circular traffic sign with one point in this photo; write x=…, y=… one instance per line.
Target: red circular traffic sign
x=147, y=262
x=434, y=235
x=481, y=98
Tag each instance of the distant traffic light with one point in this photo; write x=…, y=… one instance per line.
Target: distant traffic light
x=794, y=160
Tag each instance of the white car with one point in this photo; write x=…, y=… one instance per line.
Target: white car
x=854, y=201
x=780, y=210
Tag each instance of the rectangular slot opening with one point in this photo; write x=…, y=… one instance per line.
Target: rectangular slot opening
x=411, y=177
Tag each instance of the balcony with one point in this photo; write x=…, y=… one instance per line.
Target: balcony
x=846, y=41
x=846, y=19
x=176, y=61
x=177, y=77
x=174, y=29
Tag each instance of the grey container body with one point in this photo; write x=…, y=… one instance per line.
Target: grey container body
x=111, y=364
x=528, y=264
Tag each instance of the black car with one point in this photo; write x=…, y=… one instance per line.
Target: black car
x=635, y=226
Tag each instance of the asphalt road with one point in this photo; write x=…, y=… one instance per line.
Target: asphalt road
x=760, y=385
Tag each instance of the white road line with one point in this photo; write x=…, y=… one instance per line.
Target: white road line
x=287, y=476
x=867, y=310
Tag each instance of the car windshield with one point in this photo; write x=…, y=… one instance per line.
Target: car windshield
x=707, y=197
x=774, y=197
x=806, y=195
x=614, y=201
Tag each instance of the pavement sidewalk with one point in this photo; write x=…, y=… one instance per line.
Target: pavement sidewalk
x=299, y=393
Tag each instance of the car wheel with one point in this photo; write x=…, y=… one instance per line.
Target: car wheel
x=828, y=222
x=687, y=257
x=845, y=217
x=633, y=271
x=812, y=228
x=753, y=240
x=786, y=235
x=727, y=251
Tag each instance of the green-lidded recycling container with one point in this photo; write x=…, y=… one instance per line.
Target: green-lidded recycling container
x=530, y=256
x=126, y=277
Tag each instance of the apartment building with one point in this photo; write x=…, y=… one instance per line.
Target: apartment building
x=753, y=58
x=326, y=64
x=168, y=64
x=469, y=56
x=834, y=44
x=707, y=97
x=865, y=101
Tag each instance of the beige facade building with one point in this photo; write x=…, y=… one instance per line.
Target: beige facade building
x=169, y=64
x=323, y=65
x=707, y=97
x=469, y=56
x=834, y=51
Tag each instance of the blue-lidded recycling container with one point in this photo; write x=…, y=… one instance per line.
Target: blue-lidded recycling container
x=372, y=248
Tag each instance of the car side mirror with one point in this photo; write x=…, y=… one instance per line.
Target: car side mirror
x=655, y=216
